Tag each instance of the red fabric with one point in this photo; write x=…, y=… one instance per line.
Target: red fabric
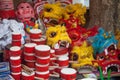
x=7, y=14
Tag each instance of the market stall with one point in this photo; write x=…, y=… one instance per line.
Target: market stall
x=48, y=40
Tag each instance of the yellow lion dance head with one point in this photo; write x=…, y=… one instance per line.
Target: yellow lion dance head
x=57, y=36
x=52, y=13
x=83, y=55
x=78, y=11
x=52, y=10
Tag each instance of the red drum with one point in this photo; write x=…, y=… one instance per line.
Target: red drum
x=42, y=50
x=63, y=61
x=28, y=56
x=61, y=51
x=15, y=61
x=16, y=69
x=39, y=41
x=68, y=74
x=16, y=43
x=44, y=75
x=30, y=63
x=16, y=36
x=15, y=51
x=35, y=33
x=41, y=68
x=29, y=47
x=26, y=76
x=43, y=60
x=16, y=76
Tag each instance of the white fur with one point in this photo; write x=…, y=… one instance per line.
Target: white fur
x=6, y=29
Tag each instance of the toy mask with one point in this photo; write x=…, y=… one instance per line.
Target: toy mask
x=25, y=12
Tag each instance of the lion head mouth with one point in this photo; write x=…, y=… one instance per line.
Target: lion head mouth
x=86, y=69
x=61, y=44
x=50, y=22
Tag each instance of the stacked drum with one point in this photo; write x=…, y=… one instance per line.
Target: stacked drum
x=15, y=62
x=36, y=36
x=16, y=39
x=62, y=59
x=42, y=53
x=29, y=55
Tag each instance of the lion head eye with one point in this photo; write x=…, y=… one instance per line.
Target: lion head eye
x=101, y=57
x=53, y=34
x=74, y=37
x=75, y=57
x=49, y=9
